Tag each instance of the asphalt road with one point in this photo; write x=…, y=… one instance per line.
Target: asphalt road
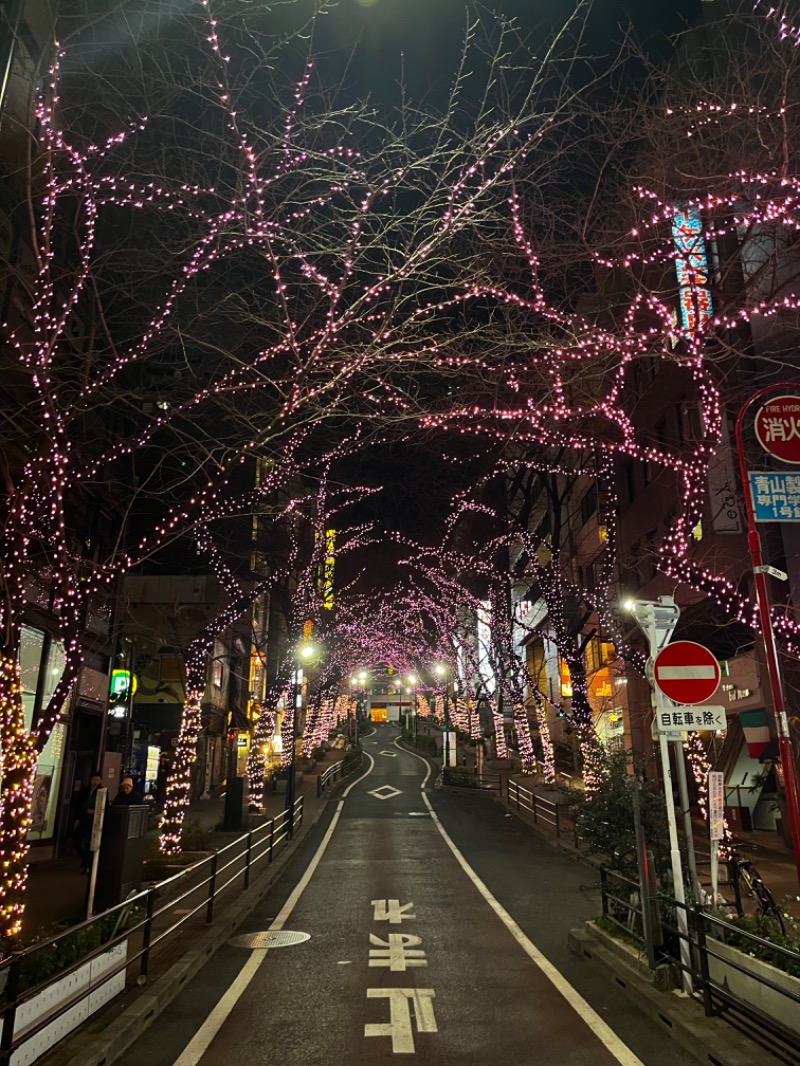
x=432, y=925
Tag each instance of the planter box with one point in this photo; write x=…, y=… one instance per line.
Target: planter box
x=749, y=987
x=51, y=999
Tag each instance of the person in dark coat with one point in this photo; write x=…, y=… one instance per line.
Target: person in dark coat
x=127, y=794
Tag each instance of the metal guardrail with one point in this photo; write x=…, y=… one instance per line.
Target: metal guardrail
x=544, y=810
x=153, y=924
x=335, y=772
x=708, y=936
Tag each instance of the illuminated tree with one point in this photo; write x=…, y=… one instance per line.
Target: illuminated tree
x=286, y=263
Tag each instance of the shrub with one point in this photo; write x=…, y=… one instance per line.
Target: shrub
x=767, y=929
x=604, y=818
x=39, y=966
x=460, y=777
x=352, y=759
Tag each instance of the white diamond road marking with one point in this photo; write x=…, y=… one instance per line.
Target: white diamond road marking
x=385, y=792
x=389, y=754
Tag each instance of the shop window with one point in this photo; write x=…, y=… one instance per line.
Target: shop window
x=171, y=668
x=30, y=661
x=41, y=662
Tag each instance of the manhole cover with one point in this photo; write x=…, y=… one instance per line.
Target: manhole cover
x=282, y=938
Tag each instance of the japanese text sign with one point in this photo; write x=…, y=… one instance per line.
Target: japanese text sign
x=775, y=496
x=687, y=719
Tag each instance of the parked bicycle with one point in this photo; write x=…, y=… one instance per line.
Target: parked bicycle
x=745, y=876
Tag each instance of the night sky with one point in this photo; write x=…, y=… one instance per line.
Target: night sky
x=382, y=41
x=420, y=40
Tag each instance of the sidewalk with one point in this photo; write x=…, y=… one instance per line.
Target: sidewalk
x=57, y=890
x=770, y=856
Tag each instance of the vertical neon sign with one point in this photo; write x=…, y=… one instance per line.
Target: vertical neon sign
x=691, y=267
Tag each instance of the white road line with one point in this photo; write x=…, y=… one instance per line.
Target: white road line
x=621, y=1052
x=425, y=763
x=199, y=1043
x=353, y=784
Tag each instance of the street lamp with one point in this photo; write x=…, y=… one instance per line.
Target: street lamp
x=441, y=671
x=412, y=681
x=353, y=699
x=306, y=652
x=657, y=619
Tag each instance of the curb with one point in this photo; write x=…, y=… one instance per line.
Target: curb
x=710, y=1041
x=113, y=1030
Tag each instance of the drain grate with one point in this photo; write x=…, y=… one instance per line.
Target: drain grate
x=283, y=938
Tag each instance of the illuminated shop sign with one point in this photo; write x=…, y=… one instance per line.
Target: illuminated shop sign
x=691, y=266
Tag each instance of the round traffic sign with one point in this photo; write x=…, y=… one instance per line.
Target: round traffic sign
x=686, y=672
x=777, y=426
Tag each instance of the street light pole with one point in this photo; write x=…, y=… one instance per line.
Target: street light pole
x=442, y=672
x=657, y=621
x=773, y=664
x=299, y=695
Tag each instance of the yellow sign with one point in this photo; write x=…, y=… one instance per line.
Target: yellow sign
x=327, y=577
x=242, y=751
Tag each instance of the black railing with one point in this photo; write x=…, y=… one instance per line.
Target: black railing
x=148, y=928
x=724, y=961
x=542, y=809
x=337, y=771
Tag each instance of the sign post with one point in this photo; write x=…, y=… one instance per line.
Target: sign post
x=657, y=621
x=687, y=674
x=777, y=428
x=716, y=825
x=101, y=796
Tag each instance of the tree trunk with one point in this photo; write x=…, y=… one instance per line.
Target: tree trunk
x=179, y=782
x=19, y=756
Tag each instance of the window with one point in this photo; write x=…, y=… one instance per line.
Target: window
x=171, y=668
x=589, y=504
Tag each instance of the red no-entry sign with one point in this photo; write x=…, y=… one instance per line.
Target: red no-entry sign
x=777, y=426
x=687, y=672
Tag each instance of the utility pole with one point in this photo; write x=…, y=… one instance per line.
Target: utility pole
x=785, y=746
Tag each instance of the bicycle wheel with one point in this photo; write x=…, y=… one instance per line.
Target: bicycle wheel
x=763, y=898
x=766, y=901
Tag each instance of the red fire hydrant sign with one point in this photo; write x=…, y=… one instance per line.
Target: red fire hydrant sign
x=777, y=428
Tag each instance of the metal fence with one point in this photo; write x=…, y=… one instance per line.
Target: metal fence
x=747, y=979
x=337, y=771
x=543, y=810
x=94, y=961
